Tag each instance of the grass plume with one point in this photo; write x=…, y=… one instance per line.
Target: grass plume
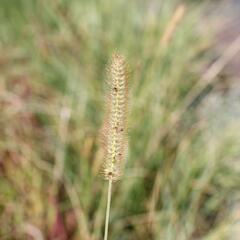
x=115, y=123
x=115, y=127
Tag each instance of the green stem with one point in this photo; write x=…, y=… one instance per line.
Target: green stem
x=108, y=209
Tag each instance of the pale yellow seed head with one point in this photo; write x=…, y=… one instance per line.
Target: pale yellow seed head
x=114, y=133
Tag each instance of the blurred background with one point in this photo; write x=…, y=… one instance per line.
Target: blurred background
x=182, y=176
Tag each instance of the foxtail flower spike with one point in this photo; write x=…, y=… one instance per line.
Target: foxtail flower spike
x=115, y=124
x=114, y=132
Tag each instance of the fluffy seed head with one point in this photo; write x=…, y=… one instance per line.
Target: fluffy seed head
x=114, y=134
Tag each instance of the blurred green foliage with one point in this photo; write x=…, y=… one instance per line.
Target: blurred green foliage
x=180, y=176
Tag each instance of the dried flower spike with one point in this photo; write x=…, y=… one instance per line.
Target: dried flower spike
x=115, y=127
x=115, y=123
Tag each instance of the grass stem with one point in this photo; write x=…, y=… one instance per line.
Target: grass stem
x=108, y=208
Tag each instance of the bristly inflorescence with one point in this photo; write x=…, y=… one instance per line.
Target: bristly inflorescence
x=115, y=123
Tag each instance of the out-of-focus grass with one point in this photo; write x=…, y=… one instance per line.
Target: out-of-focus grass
x=180, y=177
